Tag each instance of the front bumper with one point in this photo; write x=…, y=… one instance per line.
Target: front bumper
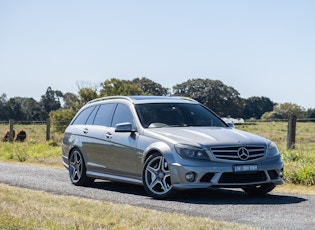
x=224, y=175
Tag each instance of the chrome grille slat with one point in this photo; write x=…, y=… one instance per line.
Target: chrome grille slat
x=230, y=153
x=236, y=157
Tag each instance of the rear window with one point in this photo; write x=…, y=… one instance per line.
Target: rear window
x=83, y=116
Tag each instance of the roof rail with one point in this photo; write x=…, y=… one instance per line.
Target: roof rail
x=131, y=100
x=109, y=98
x=186, y=98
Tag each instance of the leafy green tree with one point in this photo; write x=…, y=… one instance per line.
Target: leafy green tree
x=255, y=107
x=19, y=109
x=30, y=108
x=4, y=114
x=224, y=100
x=283, y=111
x=287, y=109
x=272, y=115
x=71, y=101
x=115, y=86
x=3, y=98
x=310, y=113
x=15, y=110
x=50, y=101
x=86, y=95
x=150, y=87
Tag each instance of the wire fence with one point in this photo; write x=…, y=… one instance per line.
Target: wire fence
x=35, y=131
x=45, y=131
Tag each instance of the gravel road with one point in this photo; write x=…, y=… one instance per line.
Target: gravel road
x=274, y=211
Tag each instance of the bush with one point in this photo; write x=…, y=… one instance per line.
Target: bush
x=302, y=174
x=299, y=167
x=60, y=119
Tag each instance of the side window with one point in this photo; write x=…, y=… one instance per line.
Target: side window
x=92, y=116
x=122, y=114
x=104, y=115
x=83, y=116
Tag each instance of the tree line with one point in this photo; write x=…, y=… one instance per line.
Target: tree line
x=223, y=99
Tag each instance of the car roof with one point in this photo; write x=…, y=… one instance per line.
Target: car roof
x=147, y=99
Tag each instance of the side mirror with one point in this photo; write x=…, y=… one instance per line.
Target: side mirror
x=124, y=127
x=231, y=125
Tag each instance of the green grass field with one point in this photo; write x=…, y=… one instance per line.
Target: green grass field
x=23, y=209
x=299, y=162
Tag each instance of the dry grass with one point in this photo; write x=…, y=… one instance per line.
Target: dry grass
x=296, y=189
x=277, y=132
x=26, y=209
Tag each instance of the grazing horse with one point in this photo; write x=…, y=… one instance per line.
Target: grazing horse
x=21, y=135
x=7, y=136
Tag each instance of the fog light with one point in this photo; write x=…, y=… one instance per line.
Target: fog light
x=190, y=176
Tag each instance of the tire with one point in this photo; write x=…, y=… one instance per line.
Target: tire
x=77, y=169
x=258, y=190
x=157, y=177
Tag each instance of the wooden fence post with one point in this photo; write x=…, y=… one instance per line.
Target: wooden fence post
x=291, y=132
x=47, y=129
x=11, y=132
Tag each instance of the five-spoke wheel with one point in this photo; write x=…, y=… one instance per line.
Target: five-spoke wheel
x=157, y=177
x=77, y=170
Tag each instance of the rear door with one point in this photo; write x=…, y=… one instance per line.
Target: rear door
x=96, y=144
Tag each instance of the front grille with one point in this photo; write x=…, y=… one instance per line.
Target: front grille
x=238, y=153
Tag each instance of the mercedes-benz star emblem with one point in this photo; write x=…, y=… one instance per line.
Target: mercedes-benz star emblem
x=243, y=153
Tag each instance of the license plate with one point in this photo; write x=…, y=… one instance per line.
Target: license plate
x=245, y=168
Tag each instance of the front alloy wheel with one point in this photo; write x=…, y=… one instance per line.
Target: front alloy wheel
x=157, y=177
x=77, y=170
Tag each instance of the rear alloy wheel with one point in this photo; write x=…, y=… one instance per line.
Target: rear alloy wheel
x=77, y=169
x=258, y=190
x=157, y=177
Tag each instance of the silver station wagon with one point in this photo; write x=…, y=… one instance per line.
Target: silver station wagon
x=167, y=144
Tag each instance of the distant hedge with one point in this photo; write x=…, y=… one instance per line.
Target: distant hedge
x=60, y=119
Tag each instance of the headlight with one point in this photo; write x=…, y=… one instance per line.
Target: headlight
x=272, y=150
x=188, y=151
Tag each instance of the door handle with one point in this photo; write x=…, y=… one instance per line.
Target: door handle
x=108, y=135
x=85, y=131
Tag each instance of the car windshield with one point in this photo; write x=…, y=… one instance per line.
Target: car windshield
x=159, y=115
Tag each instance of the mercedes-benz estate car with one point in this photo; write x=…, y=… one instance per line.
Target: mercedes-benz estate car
x=166, y=144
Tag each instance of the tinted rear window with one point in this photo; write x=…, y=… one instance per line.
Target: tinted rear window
x=83, y=116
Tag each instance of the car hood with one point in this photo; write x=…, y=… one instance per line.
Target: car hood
x=206, y=136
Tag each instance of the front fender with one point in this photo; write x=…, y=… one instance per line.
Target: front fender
x=161, y=147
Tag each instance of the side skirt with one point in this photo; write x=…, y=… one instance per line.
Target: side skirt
x=105, y=176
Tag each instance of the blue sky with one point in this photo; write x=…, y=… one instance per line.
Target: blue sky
x=260, y=48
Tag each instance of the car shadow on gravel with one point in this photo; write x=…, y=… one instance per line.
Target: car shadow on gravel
x=235, y=196
x=211, y=196
x=119, y=187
